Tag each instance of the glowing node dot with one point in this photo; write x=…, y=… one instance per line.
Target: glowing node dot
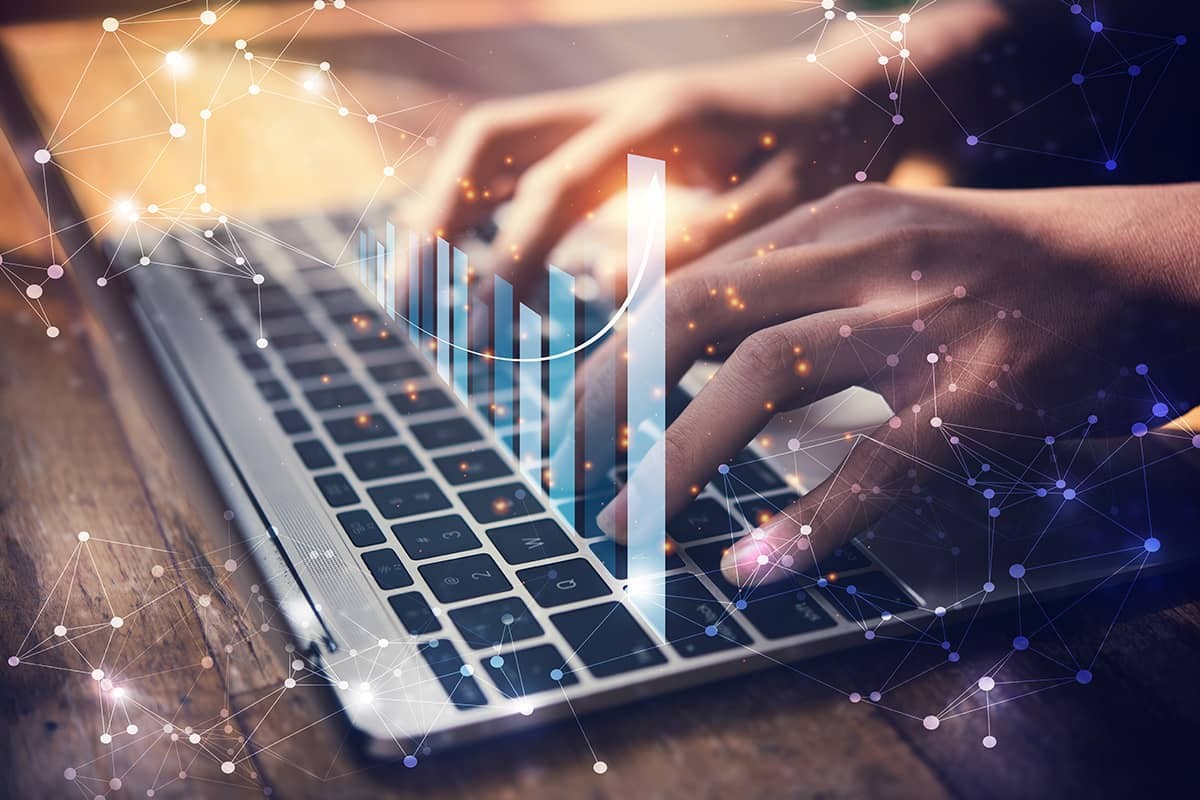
x=261, y=343
x=723, y=469
x=905, y=18
x=33, y=291
x=860, y=176
x=496, y=661
x=896, y=36
x=240, y=44
x=987, y=683
x=343, y=111
x=897, y=119
x=372, y=118
x=208, y=17
x=60, y=630
x=989, y=741
x=177, y=130
x=431, y=141
x=1097, y=26
x=131, y=729
x=556, y=674
x=1196, y=440
x=806, y=530
x=931, y=723
x=194, y=738
x=259, y=279
x=324, y=65
x=1139, y=429
x=466, y=670
x=932, y=358
x=869, y=635
x=1017, y=571
x=106, y=738
x=13, y=661
x=339, y=4
x=940, y=611
x=110, y=24
x=319, y=4
x=116, y=622
x=227, y=767
x=793, y=444
x=989, y=587
x=855, y=697
x=1159, y=410
x=599, y=768
x=410, y=761
x=893, y=360
x=710, y=631
x=254, y=89
x=1152, y=545
x=289, y=683
x=1068, y=494
x=389, y=170
x=1076, y=8
x=1084, y=677
x=1020, y=643
x=972, y=140
x=763, y=560
x=97, y=674
x=883, y=60
x=69, y=773
x=42, y=156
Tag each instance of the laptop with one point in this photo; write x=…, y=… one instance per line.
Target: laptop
x=442, y=593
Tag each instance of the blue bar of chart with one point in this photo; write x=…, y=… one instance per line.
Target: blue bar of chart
x=519, y=363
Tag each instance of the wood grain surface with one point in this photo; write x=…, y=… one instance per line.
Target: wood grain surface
x=88, y=441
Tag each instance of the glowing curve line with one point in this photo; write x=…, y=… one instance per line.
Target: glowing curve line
x=591, y=340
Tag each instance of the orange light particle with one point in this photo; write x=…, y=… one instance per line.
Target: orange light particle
x=767, y=140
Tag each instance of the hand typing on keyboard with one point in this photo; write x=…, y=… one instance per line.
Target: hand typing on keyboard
x=967, y=310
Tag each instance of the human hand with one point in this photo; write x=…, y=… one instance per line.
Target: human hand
x=968, y=311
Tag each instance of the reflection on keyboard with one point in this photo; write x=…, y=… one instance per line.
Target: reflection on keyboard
x=463, y=548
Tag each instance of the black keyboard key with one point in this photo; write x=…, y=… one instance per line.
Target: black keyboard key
x=867, y=595
x=236, y=334
x=331, y=397
x=480, y=465
x=316, y=368
x=440, y=536
x=496, y=622
x=498, y=503
x=359, y=428
x=563, y=582
x=758, y=511
x=607, y=639
x=337, y=490
x=700, y=520
x=444, y=433
x=538, y=669
x=418, y=401
x=708, y=559
x=397, y=371
x=384, y=340
x=780, y=612
x=615, y=558
x=385, y=566
x=292, y=421
x=406, y=499
x=253, y=361
x=748, y=475
x=531, y=541
x=313, y=454
x=301, y=338
x=465, y=578
x=383, y=462
x=272, y=390
x=414, y=612
x=696, y=623
x=446, y=664
x=846, y=558
x=361, y=528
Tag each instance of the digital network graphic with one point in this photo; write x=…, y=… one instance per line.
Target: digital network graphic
x=1040, y=504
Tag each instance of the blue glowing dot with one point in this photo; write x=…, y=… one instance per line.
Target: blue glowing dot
x=875, y=697
x=986, y=467
x=556, y=674
x=952, y=658
x=1159, y=409
x=1084, y=676
x=972, y=140
x=1093, y=419
x=1060, y=484
x=1097, y=26
x=1141, y=369
x=1138, y=429
x=945, y=645
x=711, y=630
x=1077, y=79
x=869, y=635
x=1068, y=494
x=1041, y=492
x=852, y=589
x=1020, y=643
x=897, y=119
x=434, y=642
x=1076, y=8
x=1017, y=571
x=410, y=761
x=822, y=582
x=1110, y=165
x=989, y=587
x=1152, y=545
x=1196, y=440
x=466, y=671
x=989, y=493
x=971, y=481
x=1134, y=70
x=994, y=512
x=1181, y=40
x=723, y=469
x=1049, y=440
x=497, y=661
x=740, y=605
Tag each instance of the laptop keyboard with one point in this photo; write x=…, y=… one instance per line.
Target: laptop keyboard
x=463, y=550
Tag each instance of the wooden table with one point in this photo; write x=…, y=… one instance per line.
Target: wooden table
x=88, y=442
